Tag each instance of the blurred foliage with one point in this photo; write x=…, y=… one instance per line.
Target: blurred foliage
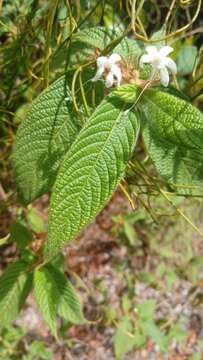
x=14, y=345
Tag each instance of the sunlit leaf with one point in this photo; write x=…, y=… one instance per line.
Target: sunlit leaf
x=91, y=171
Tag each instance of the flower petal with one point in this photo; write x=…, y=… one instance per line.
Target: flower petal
x=101, y=60
x=154, y=73
x=165, y=50
x=98, y=73
x=144, y=59
x=171, y=65
x=164, y=76
x=114, y=58
x=151, y=50
x=109, y=80
x=116, y=71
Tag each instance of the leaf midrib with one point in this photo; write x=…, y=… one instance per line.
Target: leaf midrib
x=98, y=155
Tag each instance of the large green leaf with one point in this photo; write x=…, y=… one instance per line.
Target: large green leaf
x=42, y=139
x=69, y=306
x=14, y=288
x=91, y=171
x=47, y=296
x=173, y=135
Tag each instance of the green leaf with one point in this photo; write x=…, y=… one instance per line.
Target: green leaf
x=186, y=59
x=47, y=297
x=130, y=50
x=4, y=239
x=91, y=171
x=130, y=233
x=79, y=54
x=152, y=330
x=14, y=288
x=56, y=295
x=160, y=34
x=128, y=93
x=174, y=119
x=69, y=306
x=42, y=139
x=38, y=350
x=173, y=136
x=83, y=47
x=146, y=309
x=87, y=41
x=35, y=220
x=97, y=37
x=20, y=234
x=124, y=340
x=177, y=331
x=171, y=279
x=21, y=113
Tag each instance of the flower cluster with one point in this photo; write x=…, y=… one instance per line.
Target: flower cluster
x=161, y=64
x=107, y=67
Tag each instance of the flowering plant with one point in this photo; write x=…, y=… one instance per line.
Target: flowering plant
x=79, y=141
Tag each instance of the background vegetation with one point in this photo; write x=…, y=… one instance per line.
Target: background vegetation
x=138, y=267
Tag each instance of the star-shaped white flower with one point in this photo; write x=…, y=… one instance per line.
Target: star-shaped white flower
x=106, y=66
x=160, y=62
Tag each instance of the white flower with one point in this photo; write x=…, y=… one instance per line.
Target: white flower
x=106, y=66
x=160, y=62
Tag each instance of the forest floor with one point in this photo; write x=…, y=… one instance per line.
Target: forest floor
x=113, y=277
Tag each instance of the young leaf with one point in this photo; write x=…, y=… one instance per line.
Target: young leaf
x=91, y=171
x=173, y=136
x=15, y=285
x=128, y=93
x=69, y=306
x=42, y=139
x=47, y=297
